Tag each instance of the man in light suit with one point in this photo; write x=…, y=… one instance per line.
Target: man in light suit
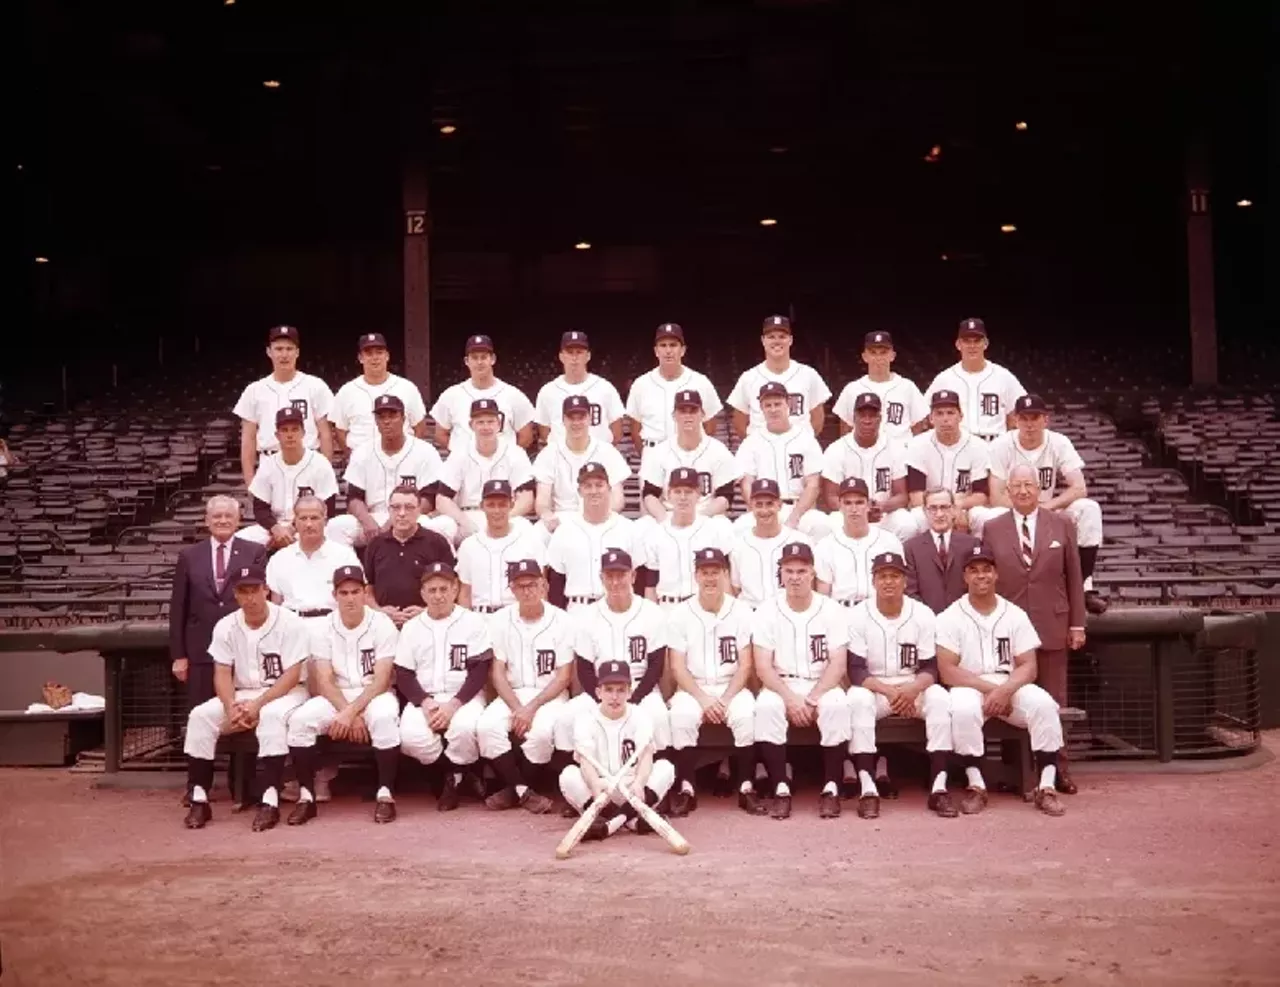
x=935, y=558
x=1038, y=568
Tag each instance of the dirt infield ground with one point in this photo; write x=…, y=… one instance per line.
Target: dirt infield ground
x=1148, y=879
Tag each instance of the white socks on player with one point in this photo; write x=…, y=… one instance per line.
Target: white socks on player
x=868, y=783
x=384, y=794
x=1048, y=775
x=974, y=777
x=304, y=795
x=783, y=789
x=745, y=787
x=272, y=798
x=520, y=790
x=198, y=794
x=686, y=786
x=940, y=782
x=615, y=823
x=830, y=788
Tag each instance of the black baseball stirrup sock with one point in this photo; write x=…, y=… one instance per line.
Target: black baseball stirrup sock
x=774, y=757
x=1045, y=758
x=1088, y=557
x=507, y=769
x=745, y=758
x=686, y=763
x=270, y=773
x=388, y=762
x=833, y=763
x=304, y=766
x=938, y=761
x=864, y=762
x=200, y=772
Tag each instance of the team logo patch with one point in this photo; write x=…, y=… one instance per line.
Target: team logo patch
x=545, y=661
x=299, y=405
x=728, y=651
x=908, y=657
x=1047, y=476
x=963, y=481
x=818, y=647
x=597, y=414
x=883, y=479
x=704, y=484
x=795, y=466
x=895, y=413
x=638, y=650
x=628, y=748
x=409, y=481
x=1004, y=654
x=795, y=405
x=306, y=492
x=457, y=657
x=990, y=404
x=272, y=666
x=366, y=661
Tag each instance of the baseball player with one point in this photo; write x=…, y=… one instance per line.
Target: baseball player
x=987, y=391
x=755, y=563
x=690, y=447
x=626, y=627
x=893, y=669
x=789, y=455
x=868, y=453
x=293, y=471
x=650, y=399
x=579, y=542
x=485, y=557
x=669, y=548
x=710, y=655
x=285, y=387
x=805, y=390
x=473, y=463
x=1056, y=463
x=353, y=404
x=604, y=406
x=949, y=457
x=352, y=651
x=798, y=650
x=532, y=670
x=609, y=731
x=987, y=656
x=557, y=467
x=452, y=410
x=442, y=666
x=905, y=411
x=376, y=469
x=258, y=652
x=843, y=561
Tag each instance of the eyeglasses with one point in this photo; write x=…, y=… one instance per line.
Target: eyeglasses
x=938, y=508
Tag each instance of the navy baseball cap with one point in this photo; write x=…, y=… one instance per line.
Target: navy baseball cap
x=388, y=402
x=854, y=485
x=888, y=560
x=484, y=406
x=371, y=339
x=479, y=343
x=1032, y=404
x=867, y=400
x=972, y=327
x=253, y=574
x=574, y=338
x=348, y=573
x=615, y=561
x=797, y=551
x=282, y=332
x=688, y=399
x=589, y=470
x=575, y=403
x=710, y=556
x=496, y=488
x=682, y=476
x=290, y=414
x=877, y=338
x=775, y=323
x=668, y=330
x=522, y=569
x=772, y=389
x=443, y=569
x=944, y=399
x=609, y=672
x=765, y=487
x=980, y=553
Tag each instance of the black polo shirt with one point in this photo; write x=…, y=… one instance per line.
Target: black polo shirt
x=394, y=568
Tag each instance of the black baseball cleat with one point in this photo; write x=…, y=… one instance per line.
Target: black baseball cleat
x=503, y=798
x=568, y=812
x=682, y=803
x=869, y=807
x=449, y=797
x=749, y=802
x=940, y=803
x=266, y=818
x=642, y=827
x=198, y=815
x=302, y=812
x=536, y=803
x=384, y=811
x=781, y=807
x=828, y=806
x=973, y=801
x=1094, y=602
x=886, y=788
x=1063, y=783
x=598, y=829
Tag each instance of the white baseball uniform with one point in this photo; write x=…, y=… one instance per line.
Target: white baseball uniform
x=845, y=562
x=801, y=643
x=715, y=465
x=987, y=645
x=378, y=472
x=611, y=743
x=1056, y=456
x=901, y=404
x=305, y=582
x=531, y=652
x=668, y=550
x=806, y=390
x=452, y=410
x=576, y=548
x=755, y=564
x=260, y=401
x=353, y=407
x=483, y=560
x=878, y=466
x=353, y=652
x=558, y=465
x=605, y=406
x=651, y=402
x=712, y=645
x=439, y=652
x=953, y=467
x=257, y=656
x=280, y=484
x=986, y=397
x=894, y=649
x=788, y=458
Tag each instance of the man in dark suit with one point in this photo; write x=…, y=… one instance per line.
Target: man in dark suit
x=202, y=595
x=935, y=558
x=1038, y=568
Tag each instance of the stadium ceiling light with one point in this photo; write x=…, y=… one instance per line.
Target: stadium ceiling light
x=1020, y=125
x=934, y=155
x=1008, y=228
x=271, y=83
x=945, y=257
x=779, y=149
x=582, y=245
x=768, y=222
x=42, y=260
x=448, y=129
x=1242, y=203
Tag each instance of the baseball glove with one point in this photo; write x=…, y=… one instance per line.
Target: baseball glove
x=56, y=695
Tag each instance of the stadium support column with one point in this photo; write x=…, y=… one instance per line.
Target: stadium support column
x=417, y=277
x=1200, y=301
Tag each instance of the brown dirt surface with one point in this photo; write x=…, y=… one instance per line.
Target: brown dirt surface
x=1148, y=879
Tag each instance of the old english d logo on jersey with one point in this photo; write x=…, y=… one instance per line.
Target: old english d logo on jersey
x=272, y=666
x=990, y=404
x=638, y=650
x=597, y=414
x=704, y=484
x=544, y=661
x=1047, y=474
x=894, y=413
x=795, y=466
x=795, y=405
x=409, y=481
x=1004, y=654
x=882, y=479
x=818, y=647
x=908, y=657
x=366, y=661
x=728, y=651
x=628, y=748
x=306, y=492
x=457, y=657
x=962, y=481
x=299, y=405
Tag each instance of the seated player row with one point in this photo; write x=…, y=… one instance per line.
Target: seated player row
x=817, y=663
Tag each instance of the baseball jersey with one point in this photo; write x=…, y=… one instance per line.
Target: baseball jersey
x=901, y=404
x=986, y=397
x=651, y=401
x=483, y=561
x=894, y=648
x=259, y=656
x=604, y=404
x=438, y=651
x=260, y=401
x=801, y=641
x=603, y=635
x=305, y=582
x=755, y=564
x=280, y=485
x=986, y=643
x=576, y=547
x=353, y=407
x=377, y=472
x=467, y=470
x=610, y=743
x=710, y=642
x=805, y=388
x=878, y=465
x=956, y=467
x=711, y=459
x=787, y=457
x=532, y=650
x=1055, y=456
x=354, y=651
x=668, y=550
x=845, y=562
x=452, y=410
x=558, y=465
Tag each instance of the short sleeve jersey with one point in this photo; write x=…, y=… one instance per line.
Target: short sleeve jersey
x=452, y=410
x=280, y=484
x=669, y=551
x=577, y=546
x=438, y=652
x=787, y=457
x=1056, y=456
x=483, y=561
x=353, y=407
x=631, y=636
x=354, y=651
x=845, y=562
x=877, y=465
x=901, y=404
x=651, y=401
x=715, y=465
x=558, y=465
x=260, y=655
x=532, y=650
x=260, y=401
x=806, y=390
x=953, y=467
x=803, y=641
x=604, y=405
x=755, y=564
x=986, y=643
x=712, y=643
x=894, y=647
x=986, y=397
x=377, y=472
x=467, y=470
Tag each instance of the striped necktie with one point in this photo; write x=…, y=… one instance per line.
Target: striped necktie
x=1027, y=547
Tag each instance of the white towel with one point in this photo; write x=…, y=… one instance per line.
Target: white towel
x=40, y=708
x=86, y=700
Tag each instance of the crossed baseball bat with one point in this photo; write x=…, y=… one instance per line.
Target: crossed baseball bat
x=611, y=784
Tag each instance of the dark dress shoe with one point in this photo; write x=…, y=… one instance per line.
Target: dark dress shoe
x=886, y=788
x=869, y=807
x=503, y=798
x=974, y=801
x=449, y=797
x=1094, y=603
x=1047, y=802
x=535, y=803
x=781, y=807
x=681, y=804
x=197, y=815
x=940, y=803
x=302, y=812
x=1063, y=782
x=384, y=811
x=749, y=802
x=265, y=818
x=828, y=806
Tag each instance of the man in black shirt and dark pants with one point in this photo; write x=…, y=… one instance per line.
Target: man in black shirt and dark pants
x=395, y=560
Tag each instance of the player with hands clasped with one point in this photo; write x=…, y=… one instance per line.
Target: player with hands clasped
x=293, y=471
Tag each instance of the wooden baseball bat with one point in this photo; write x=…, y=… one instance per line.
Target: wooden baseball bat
x=589, y=814
x=660, y=826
